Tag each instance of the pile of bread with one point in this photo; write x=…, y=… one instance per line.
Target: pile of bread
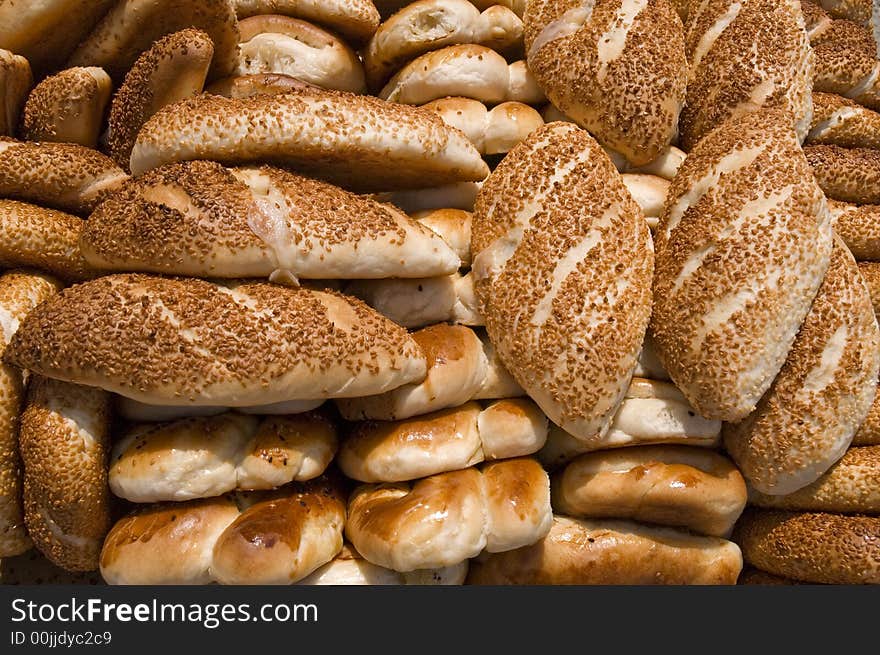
x=439, y=292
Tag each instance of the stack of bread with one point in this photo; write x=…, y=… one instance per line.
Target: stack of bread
x=439, y=292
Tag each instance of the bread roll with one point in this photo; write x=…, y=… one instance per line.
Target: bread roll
x=516, y=6
x=746, y=56
x=428, y=25
x=447, y=518
x=512, y=427
x=523, y=87
x=848, y=174
x=858, y=11
x=245, y=86
x=65, y=442
x=20, y=293
x=492, y=131
x=562, y=269
x=839, y=121
x=742, y=248
x=174, y=68
x=453, y=226
x=201, y=219
x=580, y=552
x=15, y=84
x=64, y=176
x=358, y=142
x=356, y=20
x=617, y=68
x=68, y=107
x=859, y=227
x=456, y=369
x=460, y=195
x=132, y=26
x=180, y=341
x=349, y=568
x=466, y=310
x=670, y=485
x=649, y=192
x=281, y=45
x=32, y=568
x=208, y=456
x=137, y=412
x=845, y=55
x=816, y=20
x=811, y=547
x=498, y=383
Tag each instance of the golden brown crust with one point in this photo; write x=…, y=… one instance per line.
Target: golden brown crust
x=858, y=11
x=16, y=81
x=845, y=56
x=839, y=121
x=847, y=174
x=356, y=20
x=245, y=86
x=859, y=227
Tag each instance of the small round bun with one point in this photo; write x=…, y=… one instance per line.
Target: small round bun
x=499, y=383
x=649, y=192
x=453, y=226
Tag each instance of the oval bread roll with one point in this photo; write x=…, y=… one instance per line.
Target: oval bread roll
x=848, y=174
x=839, y=121
x=179, y=341
x=453, y=226
x=492, y=131
x=64, y=439
x=349, y=568
x=16, y=80
x=354, y=19
x=845, y=56
x=670, y=485
x=859, y=227
x=358, y=142
x=562, y=270
x=581, y=552
x=742, y=248
x=245, y=86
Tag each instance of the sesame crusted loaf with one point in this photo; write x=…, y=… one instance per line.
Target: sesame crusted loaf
x=182, y=341
x=839, y=121
x=359, y=142
x=742, y=248
x=562, y=267
x=846, y=63
x=847, y=174
x=858, y=11
x=617, y=67
x=859, y=227
x=201, y=219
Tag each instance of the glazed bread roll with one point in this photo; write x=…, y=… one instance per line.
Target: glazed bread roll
x=458, y=195
x=15, y=84
x=811, y=547
x=358, y=142
x=68, y=107
x=453, y=226
x=851, y=486
x=41, y=238
x=65, y=441
x=199, y=218
x=845, y=55
x=201, y=457
x=649, y=192
x=447, y=440
x=356, y=20
x=807, y=419
x=174, y=68
x=137, y=412
x=179, y=341
x=456, y=369
x=132, y=26
x=581, y=552
x=839, y=121
x=498, y=383
x=670, y=485
x=63, y=176
x=32, y=568
x=492, y=131
x=20, y=292
x=448, y=518
x=282, y=45
x=245, y=86
x=428, y=25
x=617, y=67
x=859, y=227
x=742, y=248
x=562, y=271
x=847, y=174
x=746, y=56
x=349, y=568
x=652, y=412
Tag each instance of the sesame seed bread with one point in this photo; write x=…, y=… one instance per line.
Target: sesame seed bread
x=859, y=227
x=492, y=131
x=845, y=55
x=20, y=293
x=453, y=226
x=607, y=552
x=16, y=81
x=65, y=442
x=617, y=67
x=245, y=86
x=562, y=271
x=868, y=433
x=68, y=107
x=742, y=248
x=839, y=121
x=356, y=141
x=201, y=219
x=816, y=20
x=678, y=486
x=858, y=11
x=356, y=20
x=181, y=341
x=847, y=174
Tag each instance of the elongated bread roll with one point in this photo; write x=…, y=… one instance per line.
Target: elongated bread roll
x=444, y=519
x=845, y=55
x=68, y=107
x=180, y=341
x=349, y=568
x=457, y=367
x=617, y=67
x=581, y=552
x=428, y=25
x=64, y=176
x=358, y=142
x=742, y=248
x=839, y=121
x=670, y=485
x=562, y=270
x=132, y=26
x=453, y=226
x=173, y=69
x=492, y=131
x=859, y=227
x=209, y=456
x=65, y=443
x=15, y=84
x=811, y=547
x=746, y=56
x=20, y=292
x=245, y=86
x=847, y=174
x=199, y=218
x=354, y=19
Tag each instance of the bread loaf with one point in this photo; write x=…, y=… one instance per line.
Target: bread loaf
x=839, y=121
x=859, y=227
x=848, y=174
